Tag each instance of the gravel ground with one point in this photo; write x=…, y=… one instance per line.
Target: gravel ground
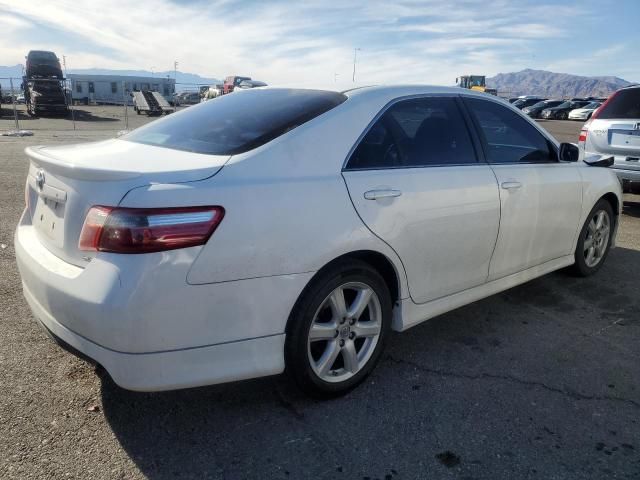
x=541, y=381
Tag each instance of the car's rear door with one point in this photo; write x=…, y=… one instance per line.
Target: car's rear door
x=417, y=183
x=541, y=197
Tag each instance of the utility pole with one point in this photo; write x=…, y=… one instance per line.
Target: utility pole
x=175, y=75
x=355, y=54
x=70, y=85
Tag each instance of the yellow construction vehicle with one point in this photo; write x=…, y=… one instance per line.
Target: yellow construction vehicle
x=475, y=82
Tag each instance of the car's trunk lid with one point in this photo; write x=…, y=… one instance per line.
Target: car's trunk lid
x=65, y=181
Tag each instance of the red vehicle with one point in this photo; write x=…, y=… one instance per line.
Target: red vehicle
x=232, y=82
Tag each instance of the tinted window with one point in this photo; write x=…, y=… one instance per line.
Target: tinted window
x=414, y=133
x=509, y=138
x=236, y=123
x=624, y=104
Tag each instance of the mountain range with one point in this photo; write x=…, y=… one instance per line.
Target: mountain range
x=551, y=84
x=525, y=82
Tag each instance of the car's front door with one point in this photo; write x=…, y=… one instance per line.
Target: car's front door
x=541, y=197
x=417, y=183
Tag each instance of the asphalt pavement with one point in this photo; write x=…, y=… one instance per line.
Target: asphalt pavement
x=539, y=382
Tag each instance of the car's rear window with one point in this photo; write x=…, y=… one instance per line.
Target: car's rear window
x=624, y=104
x=237, y=122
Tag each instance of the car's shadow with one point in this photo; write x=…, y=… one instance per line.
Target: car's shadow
x=456, y=387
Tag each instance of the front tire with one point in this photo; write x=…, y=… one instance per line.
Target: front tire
x=337, y=329
x=594, y=242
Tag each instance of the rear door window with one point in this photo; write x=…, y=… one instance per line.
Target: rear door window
x=624, y=105
x=507, y=137
x=417, y=132
x=237, y=123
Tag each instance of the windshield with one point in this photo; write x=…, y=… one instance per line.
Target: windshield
x=592, y=105
x=233, y=124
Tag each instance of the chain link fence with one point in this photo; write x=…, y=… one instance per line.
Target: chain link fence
x=98, y=105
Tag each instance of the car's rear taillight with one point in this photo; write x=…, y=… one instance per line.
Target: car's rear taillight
x=144, y=230
x=583, y=135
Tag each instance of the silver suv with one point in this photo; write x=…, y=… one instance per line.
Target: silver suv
x=614, y=129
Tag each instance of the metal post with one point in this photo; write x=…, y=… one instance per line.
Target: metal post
x=15, y=111
x=70, y=83
x=355, y=53
x=126, y=109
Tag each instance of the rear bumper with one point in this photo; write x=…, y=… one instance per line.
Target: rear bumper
x=137, y=316
x=630, y=179
x=172, y=369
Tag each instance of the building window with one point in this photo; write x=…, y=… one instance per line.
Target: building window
x=156, y=87
x=135, y=87
x=166, y=88
x=91, y=88
x=78, y=87
x=114, y=87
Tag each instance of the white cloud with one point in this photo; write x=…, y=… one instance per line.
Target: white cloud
x=408, y=41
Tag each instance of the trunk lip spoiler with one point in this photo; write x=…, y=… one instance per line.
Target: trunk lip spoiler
x=57, y=166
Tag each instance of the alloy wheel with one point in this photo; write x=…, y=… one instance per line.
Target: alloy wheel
x=344, y=332
x=597, y=238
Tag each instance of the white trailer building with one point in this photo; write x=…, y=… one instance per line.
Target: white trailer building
x=116, y=89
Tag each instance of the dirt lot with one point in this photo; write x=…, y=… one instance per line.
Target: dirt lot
x=542, y=381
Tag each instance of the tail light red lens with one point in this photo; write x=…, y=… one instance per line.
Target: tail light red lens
x=583, y=135
x=145, y=230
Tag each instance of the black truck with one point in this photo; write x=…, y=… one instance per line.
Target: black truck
x=43, y=84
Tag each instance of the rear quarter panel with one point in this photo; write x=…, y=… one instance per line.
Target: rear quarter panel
x=287, y=209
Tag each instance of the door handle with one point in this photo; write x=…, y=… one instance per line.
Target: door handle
x=376, y=194
x=511, y=185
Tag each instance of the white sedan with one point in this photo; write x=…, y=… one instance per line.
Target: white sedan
x=293, y=229
x=585, y=112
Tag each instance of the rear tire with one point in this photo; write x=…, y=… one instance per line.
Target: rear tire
x=594, y=242
x=337, y=329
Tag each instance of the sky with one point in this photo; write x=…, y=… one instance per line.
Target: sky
x=405, y=41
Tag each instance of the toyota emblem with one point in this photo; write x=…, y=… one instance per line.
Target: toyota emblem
x=40, y=179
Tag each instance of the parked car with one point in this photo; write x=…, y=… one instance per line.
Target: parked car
x=20, y=98
x=43, y=64
x=232, y=82
x=614, y=129
x=186, y=98
x=585, y=112
x=213, y=91
x=246, y=84
x=232, y=240
x=523, y=103
x=536, y=109
x=561, y=112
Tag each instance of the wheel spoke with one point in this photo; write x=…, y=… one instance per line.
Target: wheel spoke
x=590, y=254
x=338, y=306
x=592, y=226
x=328, y=358
x=599, y=219
x=588, y=243
x=360, y=303
x=322, y=331
x=350, y=357
x=366, y=329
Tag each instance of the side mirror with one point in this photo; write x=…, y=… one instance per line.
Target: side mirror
x=569, y=152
